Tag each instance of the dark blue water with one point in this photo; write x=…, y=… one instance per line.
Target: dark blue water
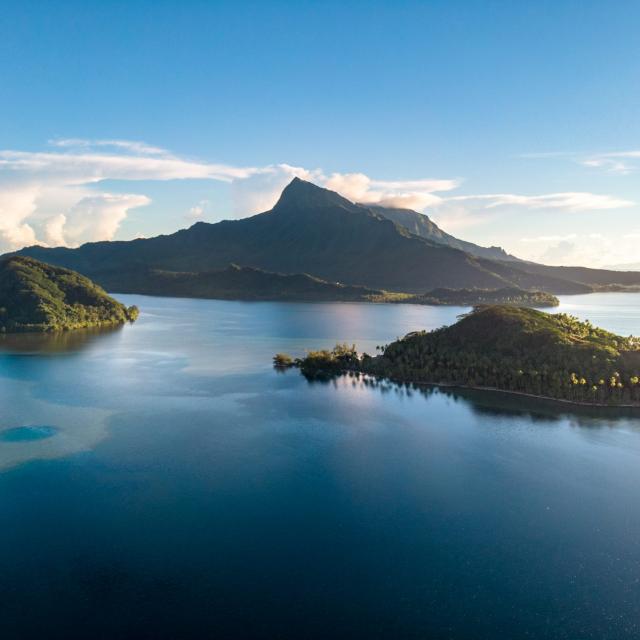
x=189, y=491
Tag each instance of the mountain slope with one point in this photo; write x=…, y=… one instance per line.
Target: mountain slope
x=237, y=283
x=597, y=278
x=315, y=231
x=248, y=283
x=421, y=225
x=38, y=297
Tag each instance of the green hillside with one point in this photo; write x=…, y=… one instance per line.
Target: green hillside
x=38, y=297
x=472, y=297
x=507, y=348
x=237, y=283
x=247, y=283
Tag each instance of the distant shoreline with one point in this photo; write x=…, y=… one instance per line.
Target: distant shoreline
x=328, y=301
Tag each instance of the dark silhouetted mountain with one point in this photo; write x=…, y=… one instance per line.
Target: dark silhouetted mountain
x=316, y=231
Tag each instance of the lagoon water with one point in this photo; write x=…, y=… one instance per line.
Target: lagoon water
x=185, y=489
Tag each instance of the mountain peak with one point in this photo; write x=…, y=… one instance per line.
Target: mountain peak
x=301, y=193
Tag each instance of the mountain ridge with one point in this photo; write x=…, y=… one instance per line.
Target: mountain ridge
x=316, y=231
x=421, y=225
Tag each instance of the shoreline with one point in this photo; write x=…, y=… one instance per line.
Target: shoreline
x=450, y=385
x=330, y=301
x=576, y=403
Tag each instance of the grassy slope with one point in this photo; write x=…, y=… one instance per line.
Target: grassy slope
x=39, y=297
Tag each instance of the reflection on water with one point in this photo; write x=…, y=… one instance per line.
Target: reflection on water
x=488, y=403
x=190, y=491
x=54, y=342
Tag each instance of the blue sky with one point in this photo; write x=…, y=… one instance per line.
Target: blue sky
x=511, y=123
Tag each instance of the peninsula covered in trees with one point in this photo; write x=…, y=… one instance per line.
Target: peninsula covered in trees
x=249, y=283
x=505, y=348
x=474, y=297
x=38, y=297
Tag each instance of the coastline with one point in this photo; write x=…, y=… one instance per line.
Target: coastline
x=449, y=385
x=577, y=403
x=327, y=301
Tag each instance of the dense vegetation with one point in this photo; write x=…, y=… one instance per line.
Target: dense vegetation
x=323, y=363
x=473, y=297
x=240, y=283
x=507, y=348
x=247, y=283
x=316, y=231
x=38, y=297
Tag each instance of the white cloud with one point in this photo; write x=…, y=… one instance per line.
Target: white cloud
x=410, y=194
x=618, y=162
x=572, y=201
x=197, y=212
x=134, y=146
x=17, y=205
x=47, y=197
x=460, y=212
x=85, y=168
x=54, y=230
x=97, y=217
x=613, y=162
x=589, y=249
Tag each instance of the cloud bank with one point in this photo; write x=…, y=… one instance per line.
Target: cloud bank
x=50, y=197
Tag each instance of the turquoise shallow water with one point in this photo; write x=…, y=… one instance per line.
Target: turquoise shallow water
x=27, y=433
x=191, y=491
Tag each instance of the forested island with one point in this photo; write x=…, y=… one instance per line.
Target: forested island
x=37, y=297
x=505, y=348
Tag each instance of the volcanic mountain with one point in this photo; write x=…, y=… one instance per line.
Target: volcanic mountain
x=316, y=231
